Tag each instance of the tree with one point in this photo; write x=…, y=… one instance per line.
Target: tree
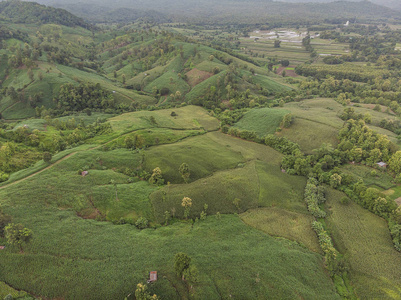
x=191, y=275
x=129, y=142
x=185, y=172
x=17, y=234
x=394, y=163
x=182, y=262
x=287, y=120
x=4, y=220
x=285, y=63
x=186, y=203
x=141, y=293
x=156, y=177
x=277, y=43
x=335, y=180
x=237, y=204
x=47, y=157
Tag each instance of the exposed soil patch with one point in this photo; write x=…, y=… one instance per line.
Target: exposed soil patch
x=398, y=201
x=372, y=106
x=288, y=73
x=196, y=76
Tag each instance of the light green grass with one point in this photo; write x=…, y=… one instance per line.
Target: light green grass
x=278, y=222
x=208, y=66
x=364, y=240
x=171, y=81
x=201, y=89
x=310, y=135
x=257, y=183
x=201, y=153
x=320, y=110
x=270, y=84
x=381, y=179
x=154, y=136
x=279, y=189
x=262, y=120
x=67, y=251
x=188, y=117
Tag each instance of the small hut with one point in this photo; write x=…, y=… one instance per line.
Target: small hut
x=382, y=164
x=152, y=276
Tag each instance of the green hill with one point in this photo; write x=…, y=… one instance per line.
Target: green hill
x=31, y=12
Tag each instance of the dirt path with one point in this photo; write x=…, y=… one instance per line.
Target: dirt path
x=40, y=171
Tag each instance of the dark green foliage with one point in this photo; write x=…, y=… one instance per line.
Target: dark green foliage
x=287, y=120
x=332, y=60
x=89, y=95
x=314, y=196
x=17, y=234
x=343, y=71
x=181, y=263
x=142, y=223
x=47, y=157
x=281, y=144
x=141, y=293
x=185, y=172
x=4, y=220
x=8, y=33
x=31, y=12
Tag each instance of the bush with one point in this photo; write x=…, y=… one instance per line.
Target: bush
x=344, y=200
x=142, y=223
x=47, y=157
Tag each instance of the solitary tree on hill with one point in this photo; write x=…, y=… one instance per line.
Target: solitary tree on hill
x=181, y=263
x=186, y=203
x=185, y=172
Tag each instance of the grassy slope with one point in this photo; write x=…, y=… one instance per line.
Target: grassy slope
x=202, y=154
x=121, y=256
x=365, y=241
x=279, y=222
x=188, y=117
x=381, y=179
x=262, y=120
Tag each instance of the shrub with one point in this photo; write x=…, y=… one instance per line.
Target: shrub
x=47, y=157
x=142, y=223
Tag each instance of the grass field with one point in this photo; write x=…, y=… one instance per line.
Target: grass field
x=365, y=241
x=381, y=179
x=67, y=251
x=261, y=120
x=187, y=117
x=201, y=153
x=279, y=222
x=257, y=183
x=320, y=110
x=310, y=135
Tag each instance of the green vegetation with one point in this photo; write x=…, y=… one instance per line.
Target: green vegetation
x=188, y=147
x=360, y=235
x=283, y=223
x=262, y=121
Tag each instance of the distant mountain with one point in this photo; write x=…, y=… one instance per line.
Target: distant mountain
x=99, y=14
x=226, y=11
x=30, y=12
x=394, y=4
